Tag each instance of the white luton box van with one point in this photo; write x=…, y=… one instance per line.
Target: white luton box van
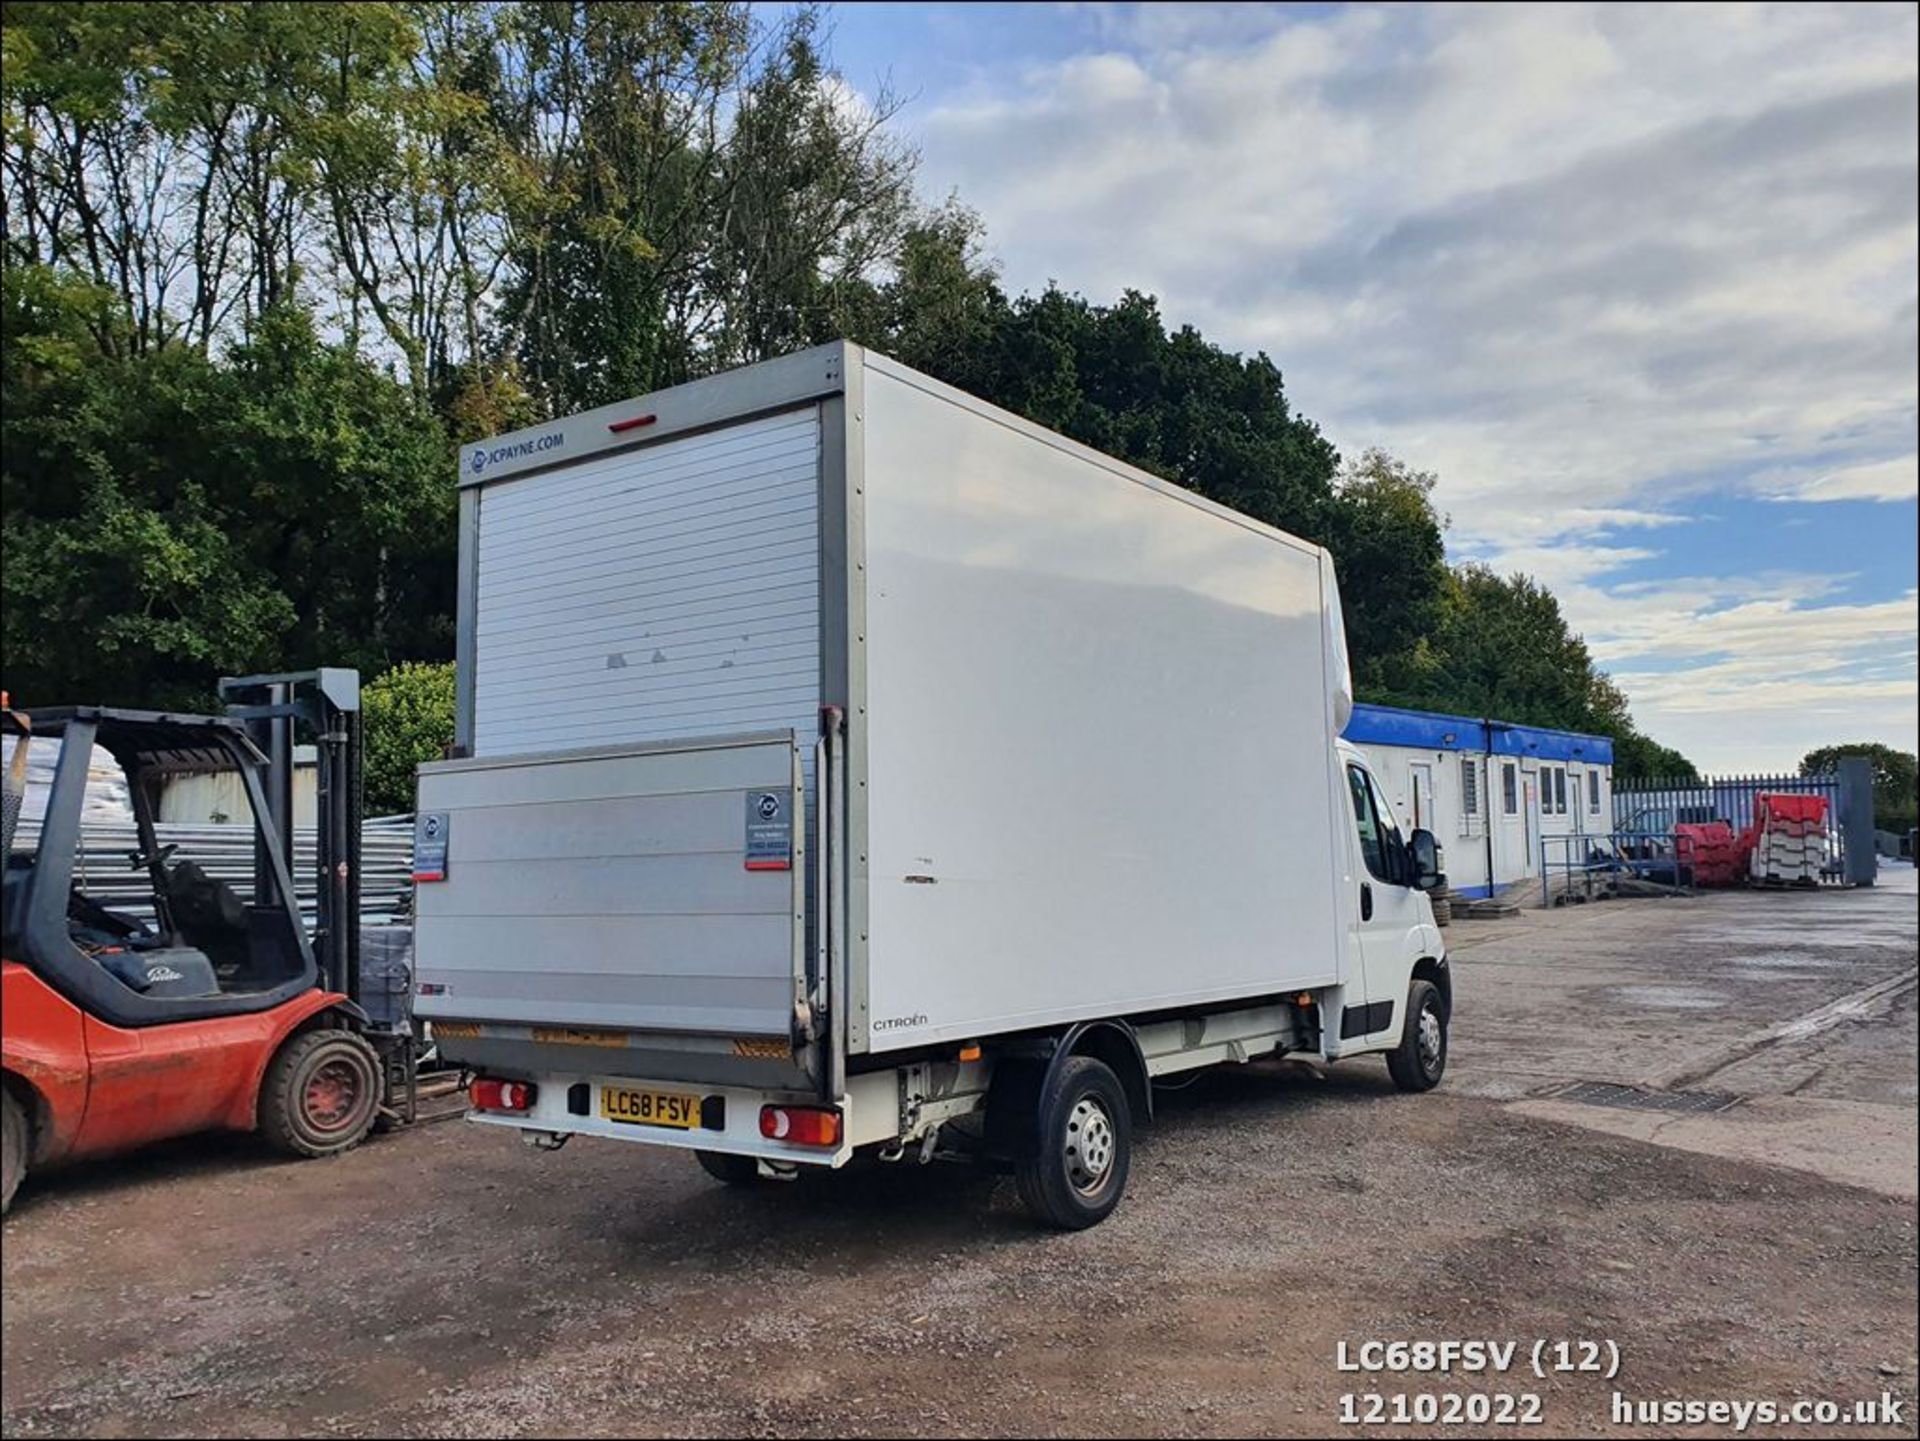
x=845, y=764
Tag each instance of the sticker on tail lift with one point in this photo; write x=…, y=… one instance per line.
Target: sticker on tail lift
x=770, y=830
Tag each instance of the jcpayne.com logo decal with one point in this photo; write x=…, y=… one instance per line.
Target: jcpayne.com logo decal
x=487, y=457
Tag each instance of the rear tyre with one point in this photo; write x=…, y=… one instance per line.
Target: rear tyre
x=321, y=1093
x=13, y=1148
x=731, y=1170
x=1420, y=1060
x=1086, y=1145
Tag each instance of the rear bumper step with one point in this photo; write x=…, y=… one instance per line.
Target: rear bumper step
x=728, y=1116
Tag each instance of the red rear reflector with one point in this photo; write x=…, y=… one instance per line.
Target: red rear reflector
x=620, y=427
x=801, y=1125
x=491, y=1095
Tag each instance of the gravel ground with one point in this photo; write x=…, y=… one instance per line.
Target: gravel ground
x=451, y=1281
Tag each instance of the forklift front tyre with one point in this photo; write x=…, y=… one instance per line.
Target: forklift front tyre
x=321, y=1093
x=13, y=1148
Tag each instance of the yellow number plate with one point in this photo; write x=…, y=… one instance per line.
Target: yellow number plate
x=569, y=1036
x=649, y=1108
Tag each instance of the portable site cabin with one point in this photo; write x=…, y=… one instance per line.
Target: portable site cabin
x=1488, y=789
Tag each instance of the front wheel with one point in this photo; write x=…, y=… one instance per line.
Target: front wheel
x=1420, y=1060
x=1086, y=1144
x=321, y=1093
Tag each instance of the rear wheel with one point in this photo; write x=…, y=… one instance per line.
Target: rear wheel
x=733, y=1170
x=321, y=1093
x=13, y=1148
x=1086, y=1144
x=1420, y=1060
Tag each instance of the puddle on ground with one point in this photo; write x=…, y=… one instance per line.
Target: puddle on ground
x=1782, y=960
x=1832, y=938
x=1669, y=998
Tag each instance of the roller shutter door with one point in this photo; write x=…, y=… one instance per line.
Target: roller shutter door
x=660, y=593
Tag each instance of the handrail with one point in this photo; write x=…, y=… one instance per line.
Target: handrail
x=1596, y=864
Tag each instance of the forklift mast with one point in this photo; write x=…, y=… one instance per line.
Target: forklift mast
x=327, y=703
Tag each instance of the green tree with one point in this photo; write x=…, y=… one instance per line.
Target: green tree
x=120, y=585
x=817, y=196
x=169, y=518
x=1896, y=779
x=1501, y=648
x=1636, y=757
x=408, y=715
x=684, y=192
x=1385, y=537
x=162, y=151
x=941, y=308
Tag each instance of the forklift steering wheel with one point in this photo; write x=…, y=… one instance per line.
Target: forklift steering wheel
x=139, y=860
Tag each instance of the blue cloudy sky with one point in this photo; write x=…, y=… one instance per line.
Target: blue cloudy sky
x=1639, y=284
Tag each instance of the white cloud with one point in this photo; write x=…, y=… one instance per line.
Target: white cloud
x=1885, y=480
x=1751, y=672
x=1590, y=263
x=1780, y=634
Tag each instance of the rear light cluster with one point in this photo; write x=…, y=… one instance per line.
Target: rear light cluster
x=491, y=1095
x=801, y=1125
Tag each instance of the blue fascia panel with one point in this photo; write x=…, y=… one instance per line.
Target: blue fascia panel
x=1551, y=745
x=1387, y=725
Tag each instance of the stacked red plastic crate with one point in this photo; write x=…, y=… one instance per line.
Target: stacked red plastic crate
x=1712, y=851
x=1790, y=838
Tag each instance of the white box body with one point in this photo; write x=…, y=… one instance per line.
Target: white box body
x=1098, y=756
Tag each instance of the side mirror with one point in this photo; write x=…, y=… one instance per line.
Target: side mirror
x=1425, y=851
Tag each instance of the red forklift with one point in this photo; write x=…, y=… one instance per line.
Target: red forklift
x=147, y=993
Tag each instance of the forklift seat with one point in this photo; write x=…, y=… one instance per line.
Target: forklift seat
x=209, y=915
x=172, y=972
x=202, y=902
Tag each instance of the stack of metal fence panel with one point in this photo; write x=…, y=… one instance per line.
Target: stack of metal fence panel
x=1790, y=839
x=105, y=871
